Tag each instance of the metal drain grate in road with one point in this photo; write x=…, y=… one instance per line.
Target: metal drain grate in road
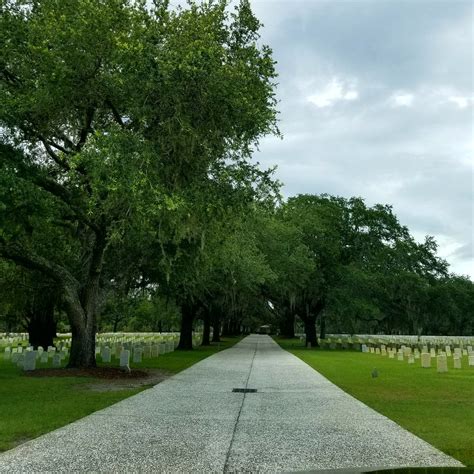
x=244, y=390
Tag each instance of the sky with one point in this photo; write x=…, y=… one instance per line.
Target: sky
x=377, y=100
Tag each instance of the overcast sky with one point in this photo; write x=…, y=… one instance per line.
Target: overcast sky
x=377, y=101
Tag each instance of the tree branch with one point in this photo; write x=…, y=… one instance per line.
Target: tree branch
x=63, y=194
x=115, y=113
x=65, y=139
x=9, y=77
x=59, y=147
x=86, y=129
x=31, y=261
x=63, y=164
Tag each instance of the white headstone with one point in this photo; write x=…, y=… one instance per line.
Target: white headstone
x=125, y=358
x=106, y=354
x=20, y=360
x=29, y=362
x=56, y=360
x=457, y=361
x=137, y=355
x=471, y=360
x=147, y=352
x=7, y=354
x=411, y=359
x=426, y=360
x=442, y=363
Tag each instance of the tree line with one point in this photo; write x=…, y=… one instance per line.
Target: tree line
x=129, y=198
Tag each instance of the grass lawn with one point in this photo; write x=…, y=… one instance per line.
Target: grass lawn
x=438, y=408
x=31, y=406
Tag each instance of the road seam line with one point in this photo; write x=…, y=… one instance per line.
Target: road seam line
x=226, y=464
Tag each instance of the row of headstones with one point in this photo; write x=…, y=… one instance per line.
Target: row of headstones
x=138, y=352
x=347, y=344
x=425, y=356
x=407, y=350
x=27, y=359
x=13, y=338
x=432, y=341
x=128, y=340
x=21, y=340
x=65, y=339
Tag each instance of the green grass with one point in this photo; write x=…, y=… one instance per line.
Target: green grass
x=438, y=408
x=176, y=361
x=32, y=406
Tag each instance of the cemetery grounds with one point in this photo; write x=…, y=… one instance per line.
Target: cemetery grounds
x=437, y=407
x=32, y=406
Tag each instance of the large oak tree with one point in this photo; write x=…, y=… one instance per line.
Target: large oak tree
x=111, y=110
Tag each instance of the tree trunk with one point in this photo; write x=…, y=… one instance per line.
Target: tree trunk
x=310, y=330
x=80, y=300
x=322, y=333
x=287, y=324
x=41, y=324
x=82, y=318
x=225, y=328
x=216, y=336
x=81, y=306
x=83, y=347
x=186, y=334
x=237, y=329
x=207, y=329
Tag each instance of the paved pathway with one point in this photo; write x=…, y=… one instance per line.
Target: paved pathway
x=193, y=422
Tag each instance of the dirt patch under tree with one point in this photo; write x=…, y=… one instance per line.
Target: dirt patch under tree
x=107, y=378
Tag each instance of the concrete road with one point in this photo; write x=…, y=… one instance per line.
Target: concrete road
x=193, y=422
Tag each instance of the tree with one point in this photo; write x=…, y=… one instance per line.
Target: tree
x=29, y=303
x=349, y=265
x=111, y=112
x=291, y=262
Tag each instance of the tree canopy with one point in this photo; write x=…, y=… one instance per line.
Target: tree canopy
x=129, y=198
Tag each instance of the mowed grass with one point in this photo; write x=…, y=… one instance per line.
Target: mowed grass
x=438, y=408
x=31, y=406
x=177, y=361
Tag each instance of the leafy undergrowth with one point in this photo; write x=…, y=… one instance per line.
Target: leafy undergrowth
x=31, y=406
x=438, y=408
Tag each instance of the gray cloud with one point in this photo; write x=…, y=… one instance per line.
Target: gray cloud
x=403, y=135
